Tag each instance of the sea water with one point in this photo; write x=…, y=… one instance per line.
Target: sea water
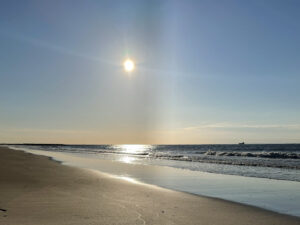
x=275, y=161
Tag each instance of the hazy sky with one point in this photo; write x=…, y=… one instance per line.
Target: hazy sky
x=206, y=71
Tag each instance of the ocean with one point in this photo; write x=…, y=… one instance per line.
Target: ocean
x=274, y=161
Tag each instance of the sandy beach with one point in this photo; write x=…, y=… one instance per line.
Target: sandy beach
x=37, y=190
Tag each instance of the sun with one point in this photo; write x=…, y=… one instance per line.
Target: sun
x=128, y=65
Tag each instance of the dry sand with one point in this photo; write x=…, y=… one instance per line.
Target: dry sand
x=37, y=191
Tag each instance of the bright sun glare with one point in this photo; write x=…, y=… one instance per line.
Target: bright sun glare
x=128, y=65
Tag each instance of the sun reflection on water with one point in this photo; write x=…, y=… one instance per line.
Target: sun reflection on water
x=127, y=159
x=131, y=153
x=134, y=149
x=129, y=179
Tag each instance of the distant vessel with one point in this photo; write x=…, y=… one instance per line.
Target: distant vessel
x=242, y=143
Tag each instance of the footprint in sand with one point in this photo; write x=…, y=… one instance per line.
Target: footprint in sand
x=3, y=211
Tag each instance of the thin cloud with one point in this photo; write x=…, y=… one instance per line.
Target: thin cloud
x=241, y=126
x=58, y=131
x=53, y=47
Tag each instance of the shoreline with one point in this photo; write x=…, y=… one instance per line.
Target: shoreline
x=275, y=195
x=75, y=194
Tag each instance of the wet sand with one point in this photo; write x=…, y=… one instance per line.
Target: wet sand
x=37, y=190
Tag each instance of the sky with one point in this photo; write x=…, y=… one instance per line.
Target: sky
x=207, y=71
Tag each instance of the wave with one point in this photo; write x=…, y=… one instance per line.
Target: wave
x=288, y=163
x=272, y=155
x=202, y=153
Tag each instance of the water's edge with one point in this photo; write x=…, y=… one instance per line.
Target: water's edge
x=209, y=181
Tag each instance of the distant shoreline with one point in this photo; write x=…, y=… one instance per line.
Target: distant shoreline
x=59, y=144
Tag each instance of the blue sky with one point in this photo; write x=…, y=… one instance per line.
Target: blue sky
x=206, y=71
